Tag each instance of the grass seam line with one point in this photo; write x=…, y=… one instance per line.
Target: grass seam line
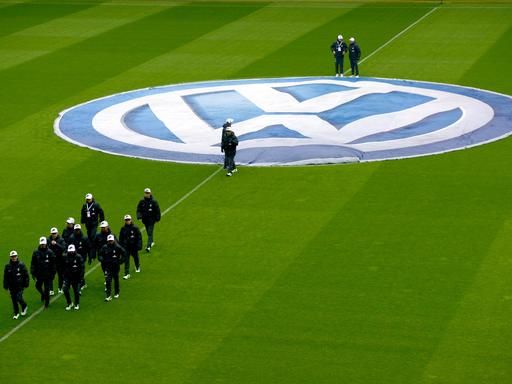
x=396, y=36
x=56, y=297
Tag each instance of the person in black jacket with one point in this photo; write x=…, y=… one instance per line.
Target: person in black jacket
x=148, y=211
x=16, y=280
x=73, y=271
x=90, y=215
x=43, y=268
x=354, y=54
x=130, y=239
x=228, y=146
x=68, y=229
x=112, y=255
x=83, y=247
x=225, y=127
x=338, y=49
x=58, y=246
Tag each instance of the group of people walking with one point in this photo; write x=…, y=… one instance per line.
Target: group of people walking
x=65, y=255
x=339, y=49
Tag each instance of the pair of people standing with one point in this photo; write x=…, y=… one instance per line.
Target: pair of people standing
x=339, y=48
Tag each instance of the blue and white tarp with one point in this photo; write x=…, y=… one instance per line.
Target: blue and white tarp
x=290, y=121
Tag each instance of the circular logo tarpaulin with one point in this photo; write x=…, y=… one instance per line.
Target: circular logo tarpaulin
x=290, y=121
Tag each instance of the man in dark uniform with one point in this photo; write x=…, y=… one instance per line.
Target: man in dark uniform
x=16, y=280
x=100, y=240
x=148, y=211
x=83, y=248
x=68, y=230
x=112, y=256
x=354, y=54
x=228, y=146
x=43, y=268
x=225, y=127
x=58, y=246
x=338, y=49
x=73, y=271
x=130, y=239
x=91, y=213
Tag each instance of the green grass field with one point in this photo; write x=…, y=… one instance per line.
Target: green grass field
x=385, y=272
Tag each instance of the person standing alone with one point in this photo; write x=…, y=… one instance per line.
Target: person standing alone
x=228, y=146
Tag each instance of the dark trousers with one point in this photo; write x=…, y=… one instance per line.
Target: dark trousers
x=82, y=280
x=112, y=272
x=131, y=252
x=45, y=292
x=60, y=276
x=354, y=66
x=17, y=297
x=230, y=160
x=150, y=226
x=92, y=228
x=75, y=284
x=338, y=64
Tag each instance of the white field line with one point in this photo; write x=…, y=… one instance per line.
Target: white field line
x=56, y=297
x=396, y=36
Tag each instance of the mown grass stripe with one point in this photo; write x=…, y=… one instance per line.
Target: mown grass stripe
x=101, y=57
x=444, y=47
x=19, y=16
x=64, y=31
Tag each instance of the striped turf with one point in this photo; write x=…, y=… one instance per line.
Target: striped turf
x=389, y=272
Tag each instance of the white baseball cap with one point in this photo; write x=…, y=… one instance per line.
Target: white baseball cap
x=352, y=39
x=104, y=224
x=71, y=248
x=340, y=37
x=147, y=190
x=230, y=120
x=88, y=196
x=42, y=240
x=54, y=230
x=70, y=220
x=13, y=253
x=110, y=237
x=77, y=226
x=127, y=217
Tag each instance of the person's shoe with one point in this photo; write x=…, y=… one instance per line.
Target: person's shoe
x=229, y=174
x=69, y=306
x=148, y=249
x=342, y=75
x=52, y=293
x=235, y=170
x=337, y=75
x=77, y=307
x=152, y=244
x=83, y=286
x=108, y=298
x=24, y=310
x=16, y=316
x=60, y=291
x=357, y=76
x=116, y=296
x=127, y=276
x=137, y=270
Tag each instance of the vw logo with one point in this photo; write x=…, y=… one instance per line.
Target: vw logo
x=287, y=121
